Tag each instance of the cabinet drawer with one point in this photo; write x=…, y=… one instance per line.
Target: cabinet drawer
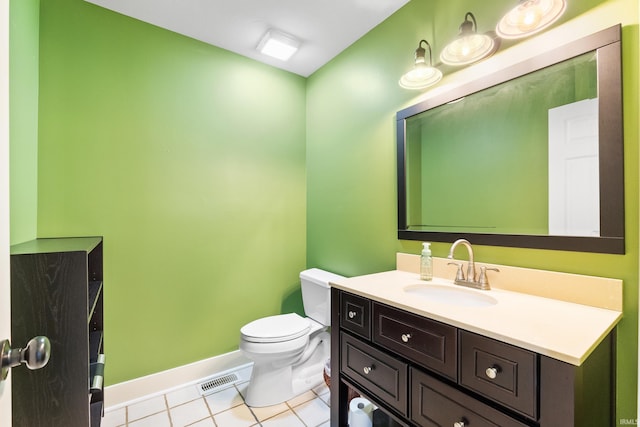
x=500, y=371
x=384, y=376
x=427, y=342
x=355, y=314
x=434, y=403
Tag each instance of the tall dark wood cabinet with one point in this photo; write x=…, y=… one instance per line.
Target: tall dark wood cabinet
x=57, y=291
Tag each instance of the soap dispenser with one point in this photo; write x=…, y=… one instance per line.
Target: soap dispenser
x=426, y=262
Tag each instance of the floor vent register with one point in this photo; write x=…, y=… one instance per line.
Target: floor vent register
x=217, y=383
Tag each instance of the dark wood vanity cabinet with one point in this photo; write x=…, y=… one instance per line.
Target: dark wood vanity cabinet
x=57, y=291
x=421, y=372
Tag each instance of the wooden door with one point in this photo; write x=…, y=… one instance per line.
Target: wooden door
x=5, y=300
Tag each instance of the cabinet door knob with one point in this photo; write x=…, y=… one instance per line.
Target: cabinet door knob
x=492, y=372
x=352, y=314
x=459, y=424
x=35, y=355
x=406, y=337
x=368, y=369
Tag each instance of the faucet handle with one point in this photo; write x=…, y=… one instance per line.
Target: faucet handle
x=483, y=280
x=459, y=273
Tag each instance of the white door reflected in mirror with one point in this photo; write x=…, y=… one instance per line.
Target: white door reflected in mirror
x=574, y=176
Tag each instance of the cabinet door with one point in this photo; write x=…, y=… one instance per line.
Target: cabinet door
x=427, y=342
x=355, y=314
x=381, y=374
x=435, y=404
x=500, y=371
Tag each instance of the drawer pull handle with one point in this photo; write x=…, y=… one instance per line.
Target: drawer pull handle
x=368, y=369
x=492, y=372
x=352, y=314
x=459, y=424
x=406, y=337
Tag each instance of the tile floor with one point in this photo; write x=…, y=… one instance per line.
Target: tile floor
x=224, y=408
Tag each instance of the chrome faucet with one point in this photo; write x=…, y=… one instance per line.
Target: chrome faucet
x=470, y=280
x=471, y=266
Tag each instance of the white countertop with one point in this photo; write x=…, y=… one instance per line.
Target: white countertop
x=562, y=330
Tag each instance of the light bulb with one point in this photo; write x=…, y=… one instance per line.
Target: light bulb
x=467, y=49
x=530, y=17
x=420, y=77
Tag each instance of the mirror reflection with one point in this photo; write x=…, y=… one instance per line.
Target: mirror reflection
x=529, y=156
x=532, y=171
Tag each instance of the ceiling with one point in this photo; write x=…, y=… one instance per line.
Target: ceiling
x=325, y=28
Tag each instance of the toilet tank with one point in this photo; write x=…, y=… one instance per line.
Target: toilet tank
x=316, y=294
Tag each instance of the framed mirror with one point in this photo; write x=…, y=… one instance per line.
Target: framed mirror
x=530, y=156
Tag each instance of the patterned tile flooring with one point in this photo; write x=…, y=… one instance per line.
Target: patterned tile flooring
x=224, y=408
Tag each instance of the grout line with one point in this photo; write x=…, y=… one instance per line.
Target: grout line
x=300, y=418
x=209, y=409
x=166, y=405
x=244, y=402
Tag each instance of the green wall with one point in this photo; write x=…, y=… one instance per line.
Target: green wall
x=351, y=106
x=189, y=160
x=23, y=125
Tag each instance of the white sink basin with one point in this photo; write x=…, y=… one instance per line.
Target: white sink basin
x=451, y=295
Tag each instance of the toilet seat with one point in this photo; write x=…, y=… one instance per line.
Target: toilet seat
x=282, y=327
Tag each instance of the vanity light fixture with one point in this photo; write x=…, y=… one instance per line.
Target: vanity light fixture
x=530, y=17
x=278, y=44
x=469, y=46
x=422, y=75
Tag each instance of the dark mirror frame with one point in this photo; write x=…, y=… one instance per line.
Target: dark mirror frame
x=607, y=44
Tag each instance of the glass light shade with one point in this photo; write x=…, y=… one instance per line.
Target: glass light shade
x=530, y=17
x=420, y=77
x=278, y=45
x=467, y=49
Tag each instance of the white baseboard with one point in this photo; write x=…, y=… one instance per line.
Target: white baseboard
x=127, y=392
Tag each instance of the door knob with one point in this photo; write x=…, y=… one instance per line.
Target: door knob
x=35, y=355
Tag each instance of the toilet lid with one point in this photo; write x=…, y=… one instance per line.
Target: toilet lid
x=282, y=327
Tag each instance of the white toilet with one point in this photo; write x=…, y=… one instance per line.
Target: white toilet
x=289, y=351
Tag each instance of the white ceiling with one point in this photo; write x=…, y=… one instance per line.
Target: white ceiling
x=325, y=27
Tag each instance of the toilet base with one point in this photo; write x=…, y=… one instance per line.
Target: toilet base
x=271, y=385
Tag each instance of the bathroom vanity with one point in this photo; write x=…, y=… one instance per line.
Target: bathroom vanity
x=463, y=357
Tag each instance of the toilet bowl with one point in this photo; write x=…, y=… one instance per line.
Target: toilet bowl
x=289, y=351
x=284, y=366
